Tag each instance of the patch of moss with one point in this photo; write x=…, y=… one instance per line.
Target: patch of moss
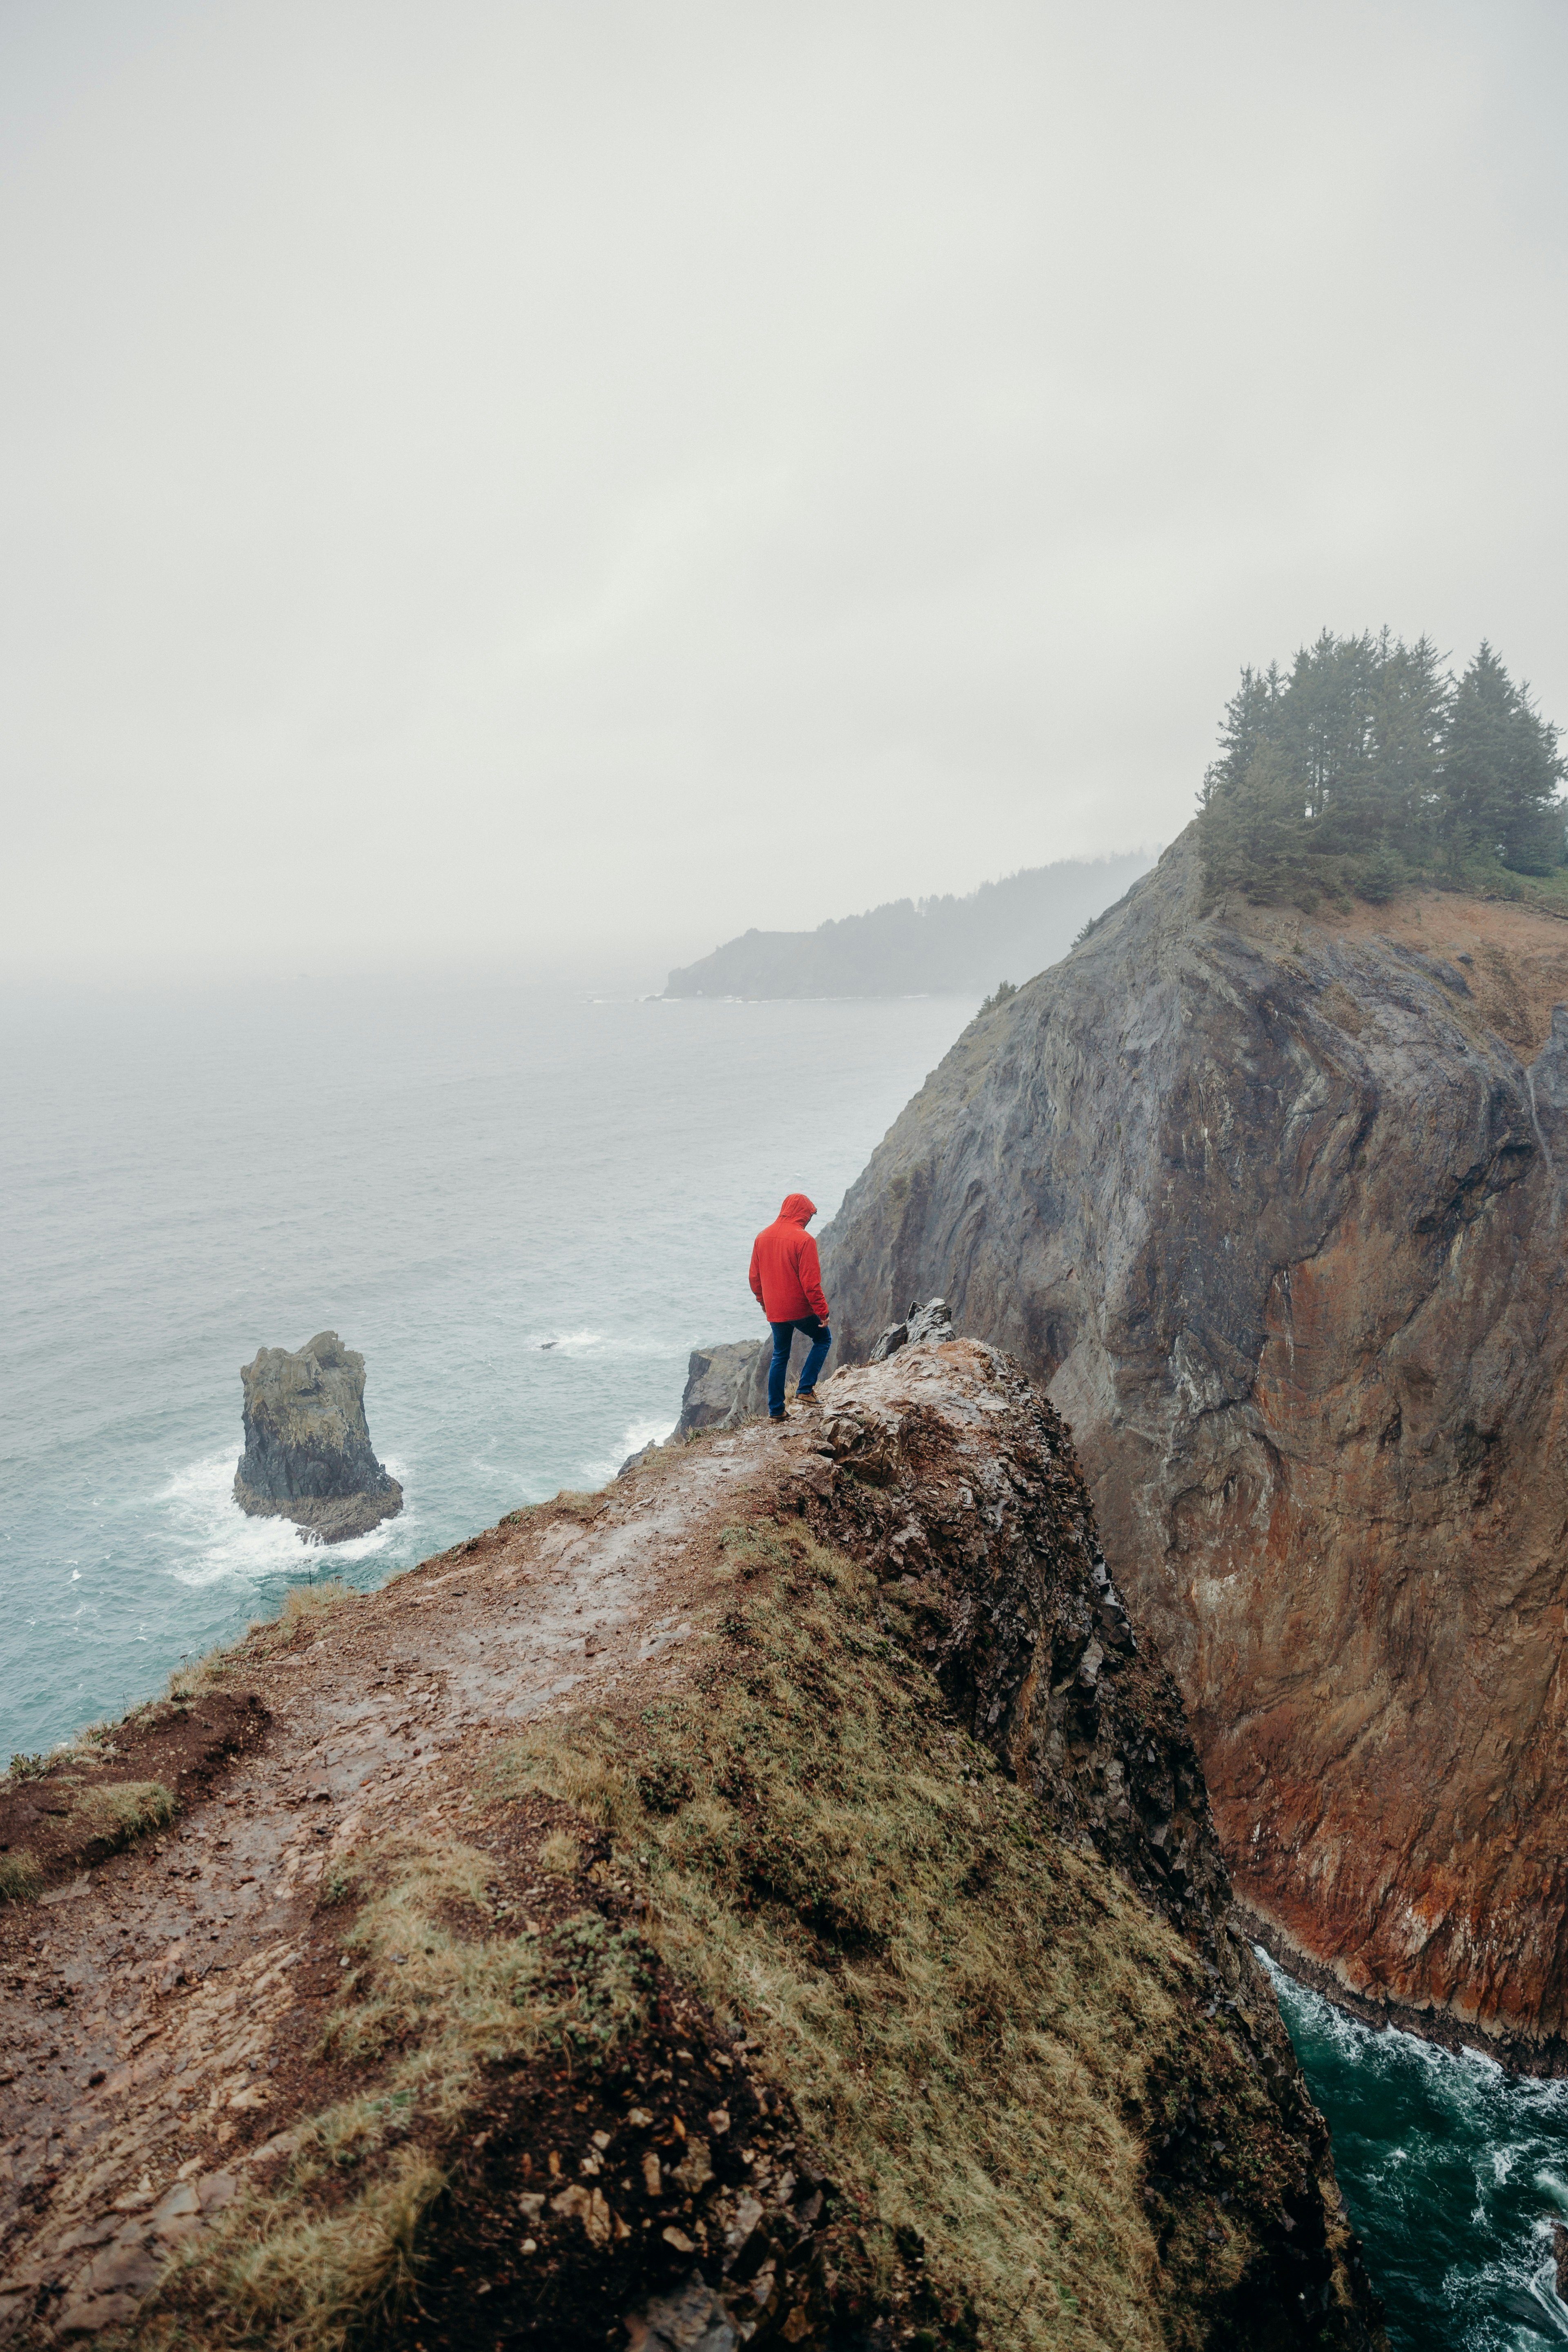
x=974, y=2021
x=117, y=1811
x=434, y=2003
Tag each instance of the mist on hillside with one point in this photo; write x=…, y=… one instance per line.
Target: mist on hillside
x=1005, y=930
x=493, y=487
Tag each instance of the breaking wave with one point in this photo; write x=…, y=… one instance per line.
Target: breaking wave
x=1454, y=2172
x=209, y=1540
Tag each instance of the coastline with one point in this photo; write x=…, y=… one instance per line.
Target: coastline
x=1517, y=2054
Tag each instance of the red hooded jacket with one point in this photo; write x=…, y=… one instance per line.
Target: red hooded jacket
x=785, y=1276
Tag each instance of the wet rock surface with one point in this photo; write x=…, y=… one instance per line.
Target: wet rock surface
x=174, y=2025
x=308, y=1455
x=724, y=1386
x=729, y=1384
x=1275, y=1205
x=929, y=1321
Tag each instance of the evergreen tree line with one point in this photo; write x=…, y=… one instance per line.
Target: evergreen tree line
x=1369, y=766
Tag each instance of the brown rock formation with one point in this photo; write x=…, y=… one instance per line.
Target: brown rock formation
x=624, y=1930
x=1276, y=1206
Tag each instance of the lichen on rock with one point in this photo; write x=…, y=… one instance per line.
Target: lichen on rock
x=308, y=1455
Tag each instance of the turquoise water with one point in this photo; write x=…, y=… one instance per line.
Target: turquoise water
x=1453, y=2171
x=525, y=1209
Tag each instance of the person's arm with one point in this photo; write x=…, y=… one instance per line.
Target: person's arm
x=756, y=1278
x=810, y=1271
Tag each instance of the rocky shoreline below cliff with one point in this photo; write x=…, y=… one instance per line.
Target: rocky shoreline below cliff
x=773, y=1900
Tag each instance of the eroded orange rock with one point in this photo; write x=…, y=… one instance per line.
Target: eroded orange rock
x=1276, y=1206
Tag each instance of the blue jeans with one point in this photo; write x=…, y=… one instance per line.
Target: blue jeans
x=821, y=1338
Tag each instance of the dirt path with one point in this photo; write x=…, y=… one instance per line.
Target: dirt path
x=155, y=2007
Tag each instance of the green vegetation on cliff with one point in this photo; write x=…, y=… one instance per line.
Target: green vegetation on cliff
x=844, y=1961
x=869, y=1941
x=1368, y=767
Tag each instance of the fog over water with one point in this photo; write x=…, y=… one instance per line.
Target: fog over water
x=498, y=484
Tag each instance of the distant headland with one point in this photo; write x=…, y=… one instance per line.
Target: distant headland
x=924, y=947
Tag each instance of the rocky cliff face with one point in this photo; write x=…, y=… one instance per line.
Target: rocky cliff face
x=727, y=1384
x=1275, y=1205
x=773, y=1902
x=724, y=1385
x=308, y=1454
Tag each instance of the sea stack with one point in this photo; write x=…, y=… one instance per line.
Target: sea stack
x=308, y=1454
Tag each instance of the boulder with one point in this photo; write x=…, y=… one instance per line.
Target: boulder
x=930, y=1321
x=729, y=1384
x=724, y=1385
x=308, y=1455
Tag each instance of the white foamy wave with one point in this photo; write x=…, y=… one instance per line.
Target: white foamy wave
x=1519, y=2286
x=1424, y=2119
x=610, y=1347
x=645, y=1433
x=639, y=1433
x=209, y=1538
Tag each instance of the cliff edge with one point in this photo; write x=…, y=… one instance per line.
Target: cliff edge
x=1273, y=1203
x=771, y=1902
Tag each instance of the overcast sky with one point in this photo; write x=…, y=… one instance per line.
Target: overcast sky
x=481, y=483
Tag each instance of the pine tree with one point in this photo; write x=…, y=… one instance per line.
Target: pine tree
x=1248, y=720
x=1410, y=704
x=1500, y=774
x=1252, y=828
x=1367, y=766
x=1325, y=722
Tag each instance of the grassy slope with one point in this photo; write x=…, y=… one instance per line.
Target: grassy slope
x=985, y=2038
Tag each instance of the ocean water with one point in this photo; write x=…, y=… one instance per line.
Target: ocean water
x=1453, y=2173
x=525, y=1209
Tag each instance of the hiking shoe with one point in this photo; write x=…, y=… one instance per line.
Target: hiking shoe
x=807, y=1397
x=778, y=1416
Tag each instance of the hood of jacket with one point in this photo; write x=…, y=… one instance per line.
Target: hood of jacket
x=797, y=1207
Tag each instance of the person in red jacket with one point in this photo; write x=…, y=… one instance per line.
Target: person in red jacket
x=786, y=1281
